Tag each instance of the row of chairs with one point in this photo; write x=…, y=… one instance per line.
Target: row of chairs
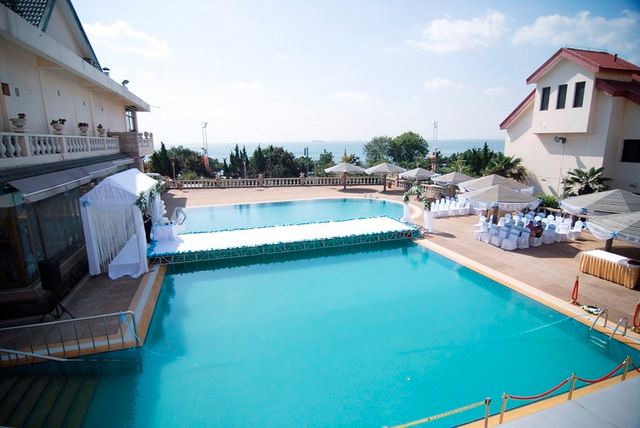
x=450, y=208
x=510, y=233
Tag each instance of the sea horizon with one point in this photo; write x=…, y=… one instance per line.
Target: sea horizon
x=337, y=148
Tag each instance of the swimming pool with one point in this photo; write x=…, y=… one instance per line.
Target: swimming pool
x=225, y=217
x=381, y=336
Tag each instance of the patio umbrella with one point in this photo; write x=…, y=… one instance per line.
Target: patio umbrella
x=417, y=174
x=500, y=197
x=383, y=169
x=344, y=168
x=611, y=202
x=624, y=226
x=451, y=178
x=492, y=180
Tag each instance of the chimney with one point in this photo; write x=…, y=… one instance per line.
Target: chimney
x=615, y=58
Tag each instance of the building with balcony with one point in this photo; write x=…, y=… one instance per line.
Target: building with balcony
x=583, y=113
x=48, y=72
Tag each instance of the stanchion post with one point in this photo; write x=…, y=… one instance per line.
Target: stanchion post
x=505, y=397
x=626, y=368
x=486, y=412
x=573, y=382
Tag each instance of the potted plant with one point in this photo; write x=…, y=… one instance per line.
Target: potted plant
x=58, y=126
x=101, y=130
x=19, y=122
x=83, y=127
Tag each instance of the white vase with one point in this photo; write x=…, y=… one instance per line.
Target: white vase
x=58, y=127
x=83, y=130
x=18, y=124
x=101, y=132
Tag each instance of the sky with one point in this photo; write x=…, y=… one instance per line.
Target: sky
x=295, y=71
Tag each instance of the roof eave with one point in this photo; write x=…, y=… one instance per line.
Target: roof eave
x=518, y=110
x=563, y=53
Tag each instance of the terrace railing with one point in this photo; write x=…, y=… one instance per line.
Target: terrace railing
x=19, y=149
x=74, y=336
x=261, y=181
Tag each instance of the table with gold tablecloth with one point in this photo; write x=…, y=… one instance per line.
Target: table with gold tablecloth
x=611, y=267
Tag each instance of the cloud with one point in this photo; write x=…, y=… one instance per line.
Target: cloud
x=583, y=30
x=350, y=96
x=120, y=37
x=438, y=83
x=494, y=92
x=246, y=86
x=448, y=35
x=282, y=56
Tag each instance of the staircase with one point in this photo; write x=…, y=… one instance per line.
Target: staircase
x=51, y=400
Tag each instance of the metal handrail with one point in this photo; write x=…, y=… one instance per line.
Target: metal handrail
x=180, y=219
x=486, y=402
x=606, y=318
x=64, y=348
x=626, y=326
x=31, y=354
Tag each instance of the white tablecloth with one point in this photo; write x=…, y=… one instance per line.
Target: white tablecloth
x=166, y=232
x=610, y=266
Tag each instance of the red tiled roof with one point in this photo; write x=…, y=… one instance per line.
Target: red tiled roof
x=515, y=113
x=616, y=88
x=591, y=60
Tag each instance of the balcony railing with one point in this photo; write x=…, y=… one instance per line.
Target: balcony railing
x=273, y=182
x=18, y=149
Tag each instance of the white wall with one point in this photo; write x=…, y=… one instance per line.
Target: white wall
x=569, y=119
x=48, y=93
x=625, y=125
x=58, y=30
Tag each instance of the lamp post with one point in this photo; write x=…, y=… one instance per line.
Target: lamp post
x=435, y=145
x=204, y=141
x=244, y=163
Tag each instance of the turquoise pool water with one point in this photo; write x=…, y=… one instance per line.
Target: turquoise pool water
x=278, y=213
x=386, y=335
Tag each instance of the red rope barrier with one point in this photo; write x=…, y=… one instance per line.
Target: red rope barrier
x=636, y=316
x=634, y=367
x=533, y=397
x=603, y=377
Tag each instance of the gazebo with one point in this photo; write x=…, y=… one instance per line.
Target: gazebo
x=113, y=224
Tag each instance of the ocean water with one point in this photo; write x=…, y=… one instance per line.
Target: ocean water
x=337, y=148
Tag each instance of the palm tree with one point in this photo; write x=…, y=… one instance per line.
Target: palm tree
x=507, y=166
x=590, y=181
x=460, y=165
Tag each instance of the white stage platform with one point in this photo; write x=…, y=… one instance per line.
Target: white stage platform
x=270, y=240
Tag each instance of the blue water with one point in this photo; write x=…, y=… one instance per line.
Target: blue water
x=374, y=338
x=337, y=148
x=201, y=219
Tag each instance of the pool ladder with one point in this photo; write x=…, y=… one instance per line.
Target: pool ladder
x=606, y=319
x=181, y=216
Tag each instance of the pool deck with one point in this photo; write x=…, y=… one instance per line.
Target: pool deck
x=549, y=270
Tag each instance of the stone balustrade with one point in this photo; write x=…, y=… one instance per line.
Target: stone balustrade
x=273, y=182
x=20, y=149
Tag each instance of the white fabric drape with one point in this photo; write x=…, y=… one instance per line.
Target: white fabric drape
x=504, y=206
x=406, y=209
x=603, y=234
x=428, y=221
x=110, y=218
x=572, y=209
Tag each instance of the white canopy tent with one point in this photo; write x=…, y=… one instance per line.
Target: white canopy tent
x=112, y=222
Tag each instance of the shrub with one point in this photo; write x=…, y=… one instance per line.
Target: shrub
x=548, y=201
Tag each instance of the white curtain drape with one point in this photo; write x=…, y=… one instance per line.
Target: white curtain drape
x=603, y=234
x=110, y=218
x=504, y=206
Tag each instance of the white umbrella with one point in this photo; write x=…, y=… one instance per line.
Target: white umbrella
x=417, y=174
x=500, y=197
x=451, y=178
x=384, y=169
x=344, y=168
x=492, y=180
x=624, y=226
x=612, y=202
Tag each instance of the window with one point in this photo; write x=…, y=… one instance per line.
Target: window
x=546, y=92
x=562, y=96
x=578, y=97
x=5, y=89
x=130, y=120
x=631, y=151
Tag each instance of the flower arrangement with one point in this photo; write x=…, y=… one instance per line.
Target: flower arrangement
x=100, y=127
x=83, y=124
x=58, y=121
x=22, y=116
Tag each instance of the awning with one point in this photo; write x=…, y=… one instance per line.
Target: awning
x=39, y=187
x=103, y=168
x=46, y=185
